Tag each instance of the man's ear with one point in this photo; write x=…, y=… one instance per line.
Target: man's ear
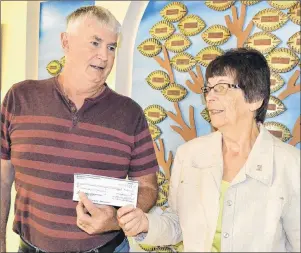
x=64, y=41
x=255, y=105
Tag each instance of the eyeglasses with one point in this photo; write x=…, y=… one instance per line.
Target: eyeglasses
x=219, y=88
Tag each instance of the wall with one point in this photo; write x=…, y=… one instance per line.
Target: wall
x=124, y=62
x=13, y=49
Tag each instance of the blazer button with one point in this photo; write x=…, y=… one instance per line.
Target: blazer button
x=226, y=235
x=229, y=202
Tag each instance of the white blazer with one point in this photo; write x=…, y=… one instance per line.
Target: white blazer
x=262, y=205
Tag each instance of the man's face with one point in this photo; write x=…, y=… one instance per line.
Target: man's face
x=90, y=50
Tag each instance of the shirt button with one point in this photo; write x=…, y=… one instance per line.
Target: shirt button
x=73, y=109
x=229, y=203
x=226, y=235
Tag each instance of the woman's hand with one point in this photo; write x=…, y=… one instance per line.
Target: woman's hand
x=132, y=220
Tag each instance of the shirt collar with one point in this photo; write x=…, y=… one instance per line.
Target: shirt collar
x=259, y=164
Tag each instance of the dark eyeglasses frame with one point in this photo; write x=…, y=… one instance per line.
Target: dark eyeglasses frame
x=206, y=89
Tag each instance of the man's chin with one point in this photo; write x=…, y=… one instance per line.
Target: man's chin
x=96, y=78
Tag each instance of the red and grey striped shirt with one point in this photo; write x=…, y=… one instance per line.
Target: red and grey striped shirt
x=48, y=140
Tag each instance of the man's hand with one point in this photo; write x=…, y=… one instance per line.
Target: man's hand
x=133, y=221
x=95, y=219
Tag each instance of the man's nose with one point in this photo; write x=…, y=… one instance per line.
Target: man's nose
x=102, y=53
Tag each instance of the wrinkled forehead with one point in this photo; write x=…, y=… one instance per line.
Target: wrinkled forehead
x=91, y=22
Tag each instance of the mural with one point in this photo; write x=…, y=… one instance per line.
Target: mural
x=52, y=22
x=175, y=43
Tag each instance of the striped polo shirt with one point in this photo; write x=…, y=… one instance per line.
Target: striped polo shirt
x=48, y=140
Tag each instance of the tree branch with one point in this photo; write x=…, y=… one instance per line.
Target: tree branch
x=237, y=25
x=198, y=81
x=165, y=64
x=187, y=132
x=292, y=87
x=296, y=133
x=160, y=154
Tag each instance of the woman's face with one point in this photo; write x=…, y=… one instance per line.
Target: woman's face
x=227, y=106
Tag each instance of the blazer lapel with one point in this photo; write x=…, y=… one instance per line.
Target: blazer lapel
x=210, y=164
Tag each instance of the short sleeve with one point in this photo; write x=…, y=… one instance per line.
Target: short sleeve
x=7, y=109
x=143, y=157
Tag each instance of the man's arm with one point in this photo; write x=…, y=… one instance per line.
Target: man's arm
x=148, y=191
x=7, y=179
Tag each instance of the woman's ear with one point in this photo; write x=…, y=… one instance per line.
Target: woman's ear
x=254, y=106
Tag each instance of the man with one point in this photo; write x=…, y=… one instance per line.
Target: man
x=73, y=123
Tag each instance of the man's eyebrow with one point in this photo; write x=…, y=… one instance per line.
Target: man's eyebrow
x=96, y=38
x=100, y=39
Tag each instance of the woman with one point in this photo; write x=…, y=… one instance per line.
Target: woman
x=237, y=189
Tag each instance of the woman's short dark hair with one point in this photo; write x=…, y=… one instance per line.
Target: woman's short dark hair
x=251, y=72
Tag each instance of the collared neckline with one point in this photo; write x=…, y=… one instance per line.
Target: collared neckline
x=258, y=166
x=103, y=94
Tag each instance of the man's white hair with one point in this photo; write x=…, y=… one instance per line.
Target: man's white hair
x=105, y=17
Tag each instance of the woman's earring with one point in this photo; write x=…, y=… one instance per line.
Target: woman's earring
x=203, y=100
